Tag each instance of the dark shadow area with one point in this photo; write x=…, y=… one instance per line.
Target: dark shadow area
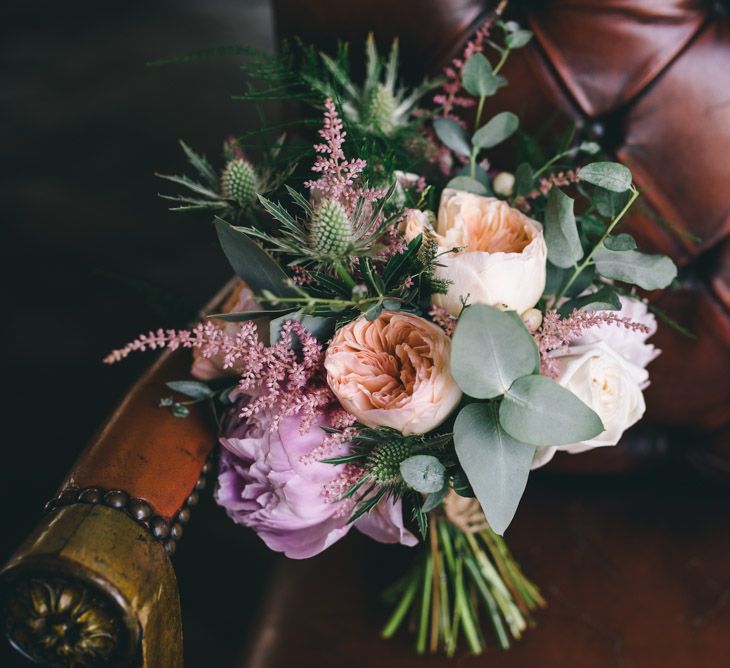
x=91, y=257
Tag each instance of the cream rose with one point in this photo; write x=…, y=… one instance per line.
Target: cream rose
x=503, y=256
x=608, y=383
x=393, y=372
x=416, y=222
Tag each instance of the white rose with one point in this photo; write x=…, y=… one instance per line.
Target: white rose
x=503, y=256
x=629, y=343
x=416, y=222
x=608, y=383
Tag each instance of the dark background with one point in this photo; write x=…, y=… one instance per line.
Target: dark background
x=91, y=257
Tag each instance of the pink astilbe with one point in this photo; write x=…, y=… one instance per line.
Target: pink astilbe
x=335, y=489
x=393, y=243
x=557, y=180
x=556, y=333
x=443, y=319
x=338, y=175
x=331, y=445
x=449, y=96
x=282, y=378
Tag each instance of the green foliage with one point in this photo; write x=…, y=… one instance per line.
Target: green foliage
x=515, y=36
x=650, y=272
x=496, y=464
x=467, y=184
x=498, y=129
x=423, y=473
x=502, y=344
x=561, y=231
x=251, y=263
x=612, y=176
x=604, y=299
x=190, y=388
x=609, y=203
x=478, y=77
x=523, y=179
x=539, y=411
x=452, y=135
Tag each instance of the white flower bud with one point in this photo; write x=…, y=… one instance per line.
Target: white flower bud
x=532, y=318
x=504, y=184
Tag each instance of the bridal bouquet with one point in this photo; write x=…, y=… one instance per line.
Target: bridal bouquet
x=415, y=328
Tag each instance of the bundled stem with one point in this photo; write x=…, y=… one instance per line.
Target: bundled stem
x=460, y=576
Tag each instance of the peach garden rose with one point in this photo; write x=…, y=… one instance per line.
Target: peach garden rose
x=393, y=372
x=502, y=260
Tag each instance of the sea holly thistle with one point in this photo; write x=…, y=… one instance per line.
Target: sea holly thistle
x=343, y=219
x=379, y=105
x=393, y=466
x=233, y=193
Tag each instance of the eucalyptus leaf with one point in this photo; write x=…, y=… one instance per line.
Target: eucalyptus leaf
x=582, y=282
x=251, y=262
x=539, y=411
x=496, y=130
x=424, y=473
x=452, y=135
x=374, y=311
x=555, y=278
x=523, y=179
x=490, y=350
x=321, y=328
x=612, y=176
x=561, y=231
x=479, y=79
x=467, y=184
x=608, y=203
x=589, y=147
x=190, y=388
x=461, y=484
x=620, y=242
x=518, y=38
x=434, y=499
x=650, y=272
x=496, y=464
x=605, y=299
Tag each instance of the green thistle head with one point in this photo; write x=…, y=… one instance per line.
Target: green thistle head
x=383, y=462
x=238, y=182
x=330, y=234
x=379, y=110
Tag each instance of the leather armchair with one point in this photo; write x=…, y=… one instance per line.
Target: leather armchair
x=651, y=81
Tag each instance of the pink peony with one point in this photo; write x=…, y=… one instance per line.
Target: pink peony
x=266, y=482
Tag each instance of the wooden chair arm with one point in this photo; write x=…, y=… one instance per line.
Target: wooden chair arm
x=94, y=584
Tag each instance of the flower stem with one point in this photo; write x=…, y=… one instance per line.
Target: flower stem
x=400, y=612
x=579, y=269
x=480, y=109
x=435, y=588
x=344, y=275
x=425, y=601
x=502, y=61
